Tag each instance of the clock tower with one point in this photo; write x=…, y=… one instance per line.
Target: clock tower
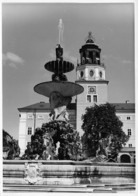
x=91, y=75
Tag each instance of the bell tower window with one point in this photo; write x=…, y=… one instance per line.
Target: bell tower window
x=91, y=56
x=98, y=58
x=94, y=57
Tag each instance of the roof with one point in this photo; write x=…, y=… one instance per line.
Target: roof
x=120, y=107
x=94, y=81
x=128, y=149
x=43, y=106
x=124, y=107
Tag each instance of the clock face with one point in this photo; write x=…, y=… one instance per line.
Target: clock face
x=91, y=89
x=91, y=73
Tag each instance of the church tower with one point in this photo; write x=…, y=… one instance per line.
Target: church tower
x=91, y=75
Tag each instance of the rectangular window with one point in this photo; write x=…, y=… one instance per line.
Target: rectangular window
x=30, y=116
x=29, y=130
x=129, y=131
x=89, y=98
x=130, y=145
x=95, y=98
x=128, y=117
x=40, y=117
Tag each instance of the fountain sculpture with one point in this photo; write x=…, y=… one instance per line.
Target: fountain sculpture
x=59, y=90
x=58, y=138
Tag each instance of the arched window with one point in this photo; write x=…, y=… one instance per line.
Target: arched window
x=125, y=158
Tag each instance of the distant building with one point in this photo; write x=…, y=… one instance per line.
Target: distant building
x=91, y=75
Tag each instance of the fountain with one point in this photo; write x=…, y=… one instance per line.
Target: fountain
x=56, y=164
x=58, y=139
x=59, y=90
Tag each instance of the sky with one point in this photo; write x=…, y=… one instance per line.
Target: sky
x=30, y=35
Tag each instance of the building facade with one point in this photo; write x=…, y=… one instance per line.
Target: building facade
x=92, y=76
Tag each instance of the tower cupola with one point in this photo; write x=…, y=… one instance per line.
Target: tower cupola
x=90, y=52
x=90, y=66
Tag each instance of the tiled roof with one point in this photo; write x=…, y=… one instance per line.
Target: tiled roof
x=43, y=106
x=36, y=106
x=124, y=107
x=120, y=107
x=128, y=149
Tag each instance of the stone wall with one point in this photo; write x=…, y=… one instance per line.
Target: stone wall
x=66, y=172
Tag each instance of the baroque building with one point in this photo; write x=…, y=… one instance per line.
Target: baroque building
x=91, y=75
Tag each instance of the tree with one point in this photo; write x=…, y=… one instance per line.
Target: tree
x=44, y=142
x=11, y=148
x=102, y=131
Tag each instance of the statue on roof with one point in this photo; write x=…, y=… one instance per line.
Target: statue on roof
x=90, y=38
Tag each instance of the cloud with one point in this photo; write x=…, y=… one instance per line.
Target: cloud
x=12, y=60
x=115, y=59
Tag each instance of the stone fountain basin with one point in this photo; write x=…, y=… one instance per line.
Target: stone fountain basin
x=67, y=89
x=59, y=66
x=66, y=172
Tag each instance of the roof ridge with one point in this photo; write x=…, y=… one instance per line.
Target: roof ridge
x=40, y=106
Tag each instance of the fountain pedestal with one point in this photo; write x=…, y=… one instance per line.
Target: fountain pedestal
x=59, y=90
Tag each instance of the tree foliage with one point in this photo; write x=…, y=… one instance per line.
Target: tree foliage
x=57, y=131
x=100, y=123
x=11, y=148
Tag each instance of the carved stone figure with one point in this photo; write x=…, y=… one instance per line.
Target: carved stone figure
x=49, y=151
x=58, y=104
x=59, y=52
